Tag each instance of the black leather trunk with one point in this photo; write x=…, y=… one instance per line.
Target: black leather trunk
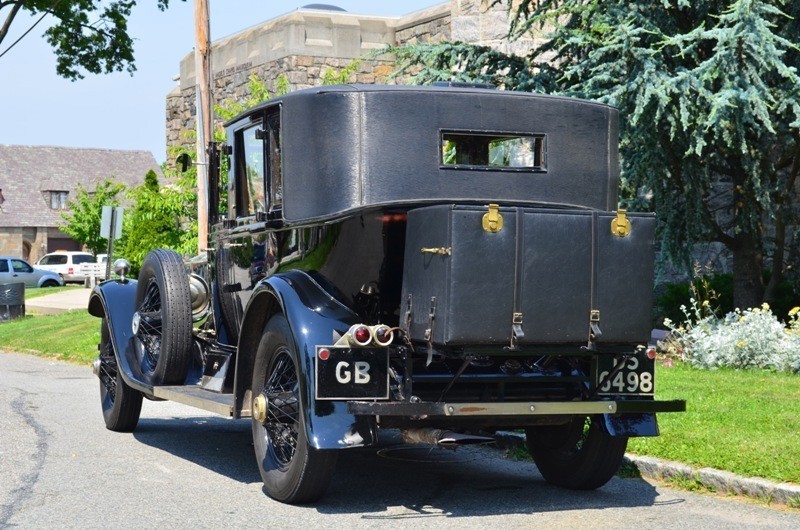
x=549, y=270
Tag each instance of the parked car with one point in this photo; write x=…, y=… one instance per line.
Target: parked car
x=13, y=270
x=438, y=260
x=66, y=264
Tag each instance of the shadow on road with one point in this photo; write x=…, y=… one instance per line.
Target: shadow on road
x=470, y=482
x=220, y=445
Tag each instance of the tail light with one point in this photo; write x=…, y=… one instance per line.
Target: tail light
x=359, y=335
x=382, y=334
x=70, y=271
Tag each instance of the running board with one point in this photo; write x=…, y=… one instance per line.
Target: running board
x=195, y=396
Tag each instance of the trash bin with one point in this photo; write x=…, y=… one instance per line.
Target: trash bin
x=12, y=301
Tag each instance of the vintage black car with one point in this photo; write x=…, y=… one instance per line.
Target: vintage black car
x=446, y=261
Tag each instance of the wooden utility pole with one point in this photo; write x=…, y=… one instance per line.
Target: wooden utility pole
x=202, y=69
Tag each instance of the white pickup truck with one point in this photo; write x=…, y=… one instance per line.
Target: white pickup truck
x=96, y=271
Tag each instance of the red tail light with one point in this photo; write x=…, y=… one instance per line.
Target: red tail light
x=359, y=335
x=383, y=335
x=70, y=271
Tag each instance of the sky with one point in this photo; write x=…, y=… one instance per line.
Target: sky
x=117, y=111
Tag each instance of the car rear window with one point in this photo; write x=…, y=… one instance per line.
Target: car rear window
x=3, y=265
x=520, y=152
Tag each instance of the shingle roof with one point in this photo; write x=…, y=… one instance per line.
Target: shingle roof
x=28, y=173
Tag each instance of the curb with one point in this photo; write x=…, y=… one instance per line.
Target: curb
x=713, y=479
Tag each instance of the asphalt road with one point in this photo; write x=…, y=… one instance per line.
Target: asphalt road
x=60, y=467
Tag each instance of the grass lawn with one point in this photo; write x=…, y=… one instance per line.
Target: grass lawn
x=34, y=292
x=71, y=336
x=746, y=422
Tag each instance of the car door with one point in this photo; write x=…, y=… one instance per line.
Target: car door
x=23, y=272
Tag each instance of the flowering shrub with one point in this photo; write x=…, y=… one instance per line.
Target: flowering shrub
x=753, y=338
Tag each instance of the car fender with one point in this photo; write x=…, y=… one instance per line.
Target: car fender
x=313, y=316
x=115, y=300
x=49, y=276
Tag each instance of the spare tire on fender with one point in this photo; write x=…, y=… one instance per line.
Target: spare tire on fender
x=162, y=323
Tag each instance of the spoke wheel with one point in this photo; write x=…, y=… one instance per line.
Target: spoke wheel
x=281, y=425
x=579, y=455
x=121, y=404
x=162, y=323
x=292, y=470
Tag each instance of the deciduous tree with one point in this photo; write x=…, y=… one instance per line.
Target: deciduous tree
x=85, y=212
x=87, y=35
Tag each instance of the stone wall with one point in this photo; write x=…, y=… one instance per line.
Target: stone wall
x=14, y=240
x=11, y=242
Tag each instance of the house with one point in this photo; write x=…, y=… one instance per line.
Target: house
x=37, y=183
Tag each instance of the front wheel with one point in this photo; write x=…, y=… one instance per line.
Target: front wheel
x=121, y=404
x=579, y=455
x=293, y=472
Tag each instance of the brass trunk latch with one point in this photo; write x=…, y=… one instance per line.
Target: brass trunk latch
x=442, y=251
x=620, y=225
x=493, y=221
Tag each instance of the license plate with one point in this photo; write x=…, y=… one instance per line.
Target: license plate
x=636, y=378
x=352, y=373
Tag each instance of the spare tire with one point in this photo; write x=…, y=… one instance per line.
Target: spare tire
x=162, y=323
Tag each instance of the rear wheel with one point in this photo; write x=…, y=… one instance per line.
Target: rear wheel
x=293, y=472
x=162, y=324
x=50, y=283
x=579, y=455
x=121, y=404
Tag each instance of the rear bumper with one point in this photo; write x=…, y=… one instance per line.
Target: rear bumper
x=547, y=408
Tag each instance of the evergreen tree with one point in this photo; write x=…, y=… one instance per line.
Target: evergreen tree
x=709, y=97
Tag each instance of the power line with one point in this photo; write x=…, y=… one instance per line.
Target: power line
x=47, y=12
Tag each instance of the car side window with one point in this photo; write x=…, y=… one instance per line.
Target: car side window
x=54, y=260
x=77, y=260
x=3, y=265
x=20, y=266
x=250, y=172
x=274, y=160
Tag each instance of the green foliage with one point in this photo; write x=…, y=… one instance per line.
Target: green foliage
x=710, y=104
x=259, y=93
x=162, y=217
x=86, y=35
x=331, y=77
x=717, y=289
x=85, y=212
x=457, y=61
x=151, y=180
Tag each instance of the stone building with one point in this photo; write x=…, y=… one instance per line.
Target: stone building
x=306, y=42
x=37, y=182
